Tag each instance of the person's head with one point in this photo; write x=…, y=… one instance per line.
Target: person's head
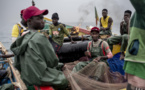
x=127, y=14
x=22, y=19
x=104, y=12
x=34, y=17
x=55, y=18
x=95, y=33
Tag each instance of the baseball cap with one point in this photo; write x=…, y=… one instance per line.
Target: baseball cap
x=33, y=11
x=95, y=29
x=22, y=11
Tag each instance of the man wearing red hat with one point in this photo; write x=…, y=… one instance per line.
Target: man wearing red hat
x=97, y=50
x=34, y=55
x=19, y=27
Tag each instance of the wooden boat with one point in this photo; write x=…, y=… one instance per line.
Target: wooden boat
x=68, y=27
x=17, y=82
x=8, y=64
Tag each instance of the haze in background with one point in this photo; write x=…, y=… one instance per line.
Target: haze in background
x=72, y=12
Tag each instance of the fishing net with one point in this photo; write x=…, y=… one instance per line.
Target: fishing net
x=94, y=76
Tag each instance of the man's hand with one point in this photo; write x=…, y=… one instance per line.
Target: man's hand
x=121, y=23
x=64, y=67
x=102, y=28
x=87, y=54
x=73, y=42
x=97, y=59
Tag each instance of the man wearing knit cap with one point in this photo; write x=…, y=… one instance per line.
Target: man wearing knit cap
x=34, y=56
x=56, y=33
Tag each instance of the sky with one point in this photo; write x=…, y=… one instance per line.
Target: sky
x=70, y=12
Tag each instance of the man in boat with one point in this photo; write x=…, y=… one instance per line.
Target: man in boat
x=123, y=38
x=34, y=55
x=105, y=23
x=134, y=65
x=97, y=50
x=19, y=27
x=56, y=33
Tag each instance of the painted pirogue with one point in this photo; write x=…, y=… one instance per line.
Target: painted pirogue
x=12, y=75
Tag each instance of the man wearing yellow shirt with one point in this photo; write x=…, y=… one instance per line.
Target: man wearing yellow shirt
x=105, y=23
x=19, y=28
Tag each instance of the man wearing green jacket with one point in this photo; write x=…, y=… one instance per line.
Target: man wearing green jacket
x=135, y=54
x=34, y=56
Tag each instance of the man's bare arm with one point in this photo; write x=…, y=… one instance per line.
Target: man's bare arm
x=121, y=30
x=110, y=21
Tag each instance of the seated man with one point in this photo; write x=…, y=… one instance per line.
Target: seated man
x=98, y=50
x=123, y=38
x=34, y=55
x=106, y=23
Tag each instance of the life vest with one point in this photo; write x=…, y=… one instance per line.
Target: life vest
x=100, y=45
x=104, y=22
x=21, y=30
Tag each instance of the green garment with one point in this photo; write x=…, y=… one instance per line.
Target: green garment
x=135, y=60
x=123, y=39
x=95, y=52
x=57, y=33
x=124, y=27
x=137, y=69
x=136, y=45
x=105, y=32
x=36, y=61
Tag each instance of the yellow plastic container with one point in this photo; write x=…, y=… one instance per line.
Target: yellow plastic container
x=116, y=49
x=123, y=89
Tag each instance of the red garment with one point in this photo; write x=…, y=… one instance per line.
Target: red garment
x=43, y=88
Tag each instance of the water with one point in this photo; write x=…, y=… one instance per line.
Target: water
x=5, y=35
x=6, y=29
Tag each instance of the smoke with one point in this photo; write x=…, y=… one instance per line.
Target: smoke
x=115, y=9
x=85, y=10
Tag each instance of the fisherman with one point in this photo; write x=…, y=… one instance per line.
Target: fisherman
x=97, y=50
x=19, y=27
x=135, y=54
x=56, y=33
x=105, y=23
x=35, y=58
x=123, y=38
